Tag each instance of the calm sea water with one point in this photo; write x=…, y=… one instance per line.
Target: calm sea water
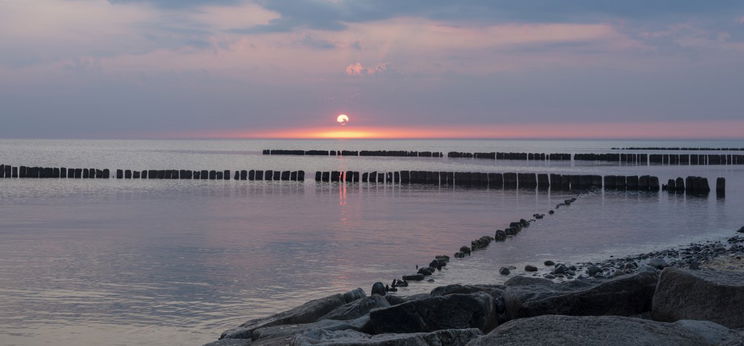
x=176, y=262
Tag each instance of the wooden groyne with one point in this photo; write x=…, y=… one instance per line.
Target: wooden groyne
x=679, y=148
x=540, y=181
x=24, y=172
x=386, y=153
x=643, y=159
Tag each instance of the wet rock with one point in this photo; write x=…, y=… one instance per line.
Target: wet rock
x=357, y=308
x=504, y=271
x=305, y=313
x=604, y=330
x=499, y=235
x=465, y=250
x=530, y=268
x=426, y=271
x=551, y=212
x=453, y=337
x=712, y=295
x=283, y=334
x=414, y=277
x=378, y=288
x=658, y=263
x=741, y=230
x=230, y=342
x=593, y=271
x=453, y=311
x=626, y=295
x=549, y=263
x=399, y=283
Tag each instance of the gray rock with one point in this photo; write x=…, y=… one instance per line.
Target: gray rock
x=413, y=277
x=464, y=289
x=447, y=337
x=741, y=230
x=625, y=295
x=712, y=295
x=286, y=331
x=453, y=311
x=658, y=263
x=230, y=342
x=305, y=313
x=504, y=271
x=530, y=268
x=378, y=288
x=593, y=271
x=357, y=308
x=604, y=331
x=549, y=263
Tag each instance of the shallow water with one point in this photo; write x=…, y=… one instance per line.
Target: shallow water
x=176, y=262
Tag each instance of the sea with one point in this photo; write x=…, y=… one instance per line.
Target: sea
x=176, y=262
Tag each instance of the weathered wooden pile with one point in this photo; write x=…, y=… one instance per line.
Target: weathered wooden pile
x=541, y=181
x=25, y=172
x=694, y=186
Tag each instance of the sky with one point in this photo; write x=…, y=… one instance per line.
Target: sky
x=414, y=68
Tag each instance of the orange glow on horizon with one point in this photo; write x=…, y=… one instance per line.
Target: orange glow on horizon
x=656, y=130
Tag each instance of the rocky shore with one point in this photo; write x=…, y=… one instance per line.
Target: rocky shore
x=692, y=295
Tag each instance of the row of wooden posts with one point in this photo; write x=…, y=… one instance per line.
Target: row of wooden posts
x=630, y=158
x=496, y=180
x=543, y=181
x=679, y=148
x=7, y=171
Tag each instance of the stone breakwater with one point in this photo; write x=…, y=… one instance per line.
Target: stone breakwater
x=669, y=297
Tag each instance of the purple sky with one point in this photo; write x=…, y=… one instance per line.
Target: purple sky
x=167, y=68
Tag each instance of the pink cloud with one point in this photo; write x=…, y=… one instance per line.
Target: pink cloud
x=357, y=69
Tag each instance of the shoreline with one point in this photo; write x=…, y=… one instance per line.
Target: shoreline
x=383, y=318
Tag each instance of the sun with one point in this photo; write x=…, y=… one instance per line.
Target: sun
x=342, y=119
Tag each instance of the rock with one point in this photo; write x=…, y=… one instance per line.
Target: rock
x=454, y=337
x=282, y=334
x=414, y=277
x=230, y=342
x=604, y=330
x=712, y=295
x=593, y=271
x=464, y=289
x=378, y=288
x=504, y=271
x=551, y=212
x=741, y=230
x=530, y=268
x=357, y=308
x=658, y=263
x=453, y=311
x=305, y=313
x=549, y=263
x=399, y=283
x=625, y=295
x=465, y=250
x=500, y=235
x=426, y=271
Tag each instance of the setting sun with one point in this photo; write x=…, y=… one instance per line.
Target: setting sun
x=342, y=119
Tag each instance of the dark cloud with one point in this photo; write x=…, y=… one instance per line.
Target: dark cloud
x=179, y=3
x=324, y=15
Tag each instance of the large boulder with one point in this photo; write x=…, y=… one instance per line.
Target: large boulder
x=624, y=295
x=305, y=313
x=605, y=331
x=357, y=308
x=453, y=311
x=447, y=337
x=282, y=334
x=712, y=295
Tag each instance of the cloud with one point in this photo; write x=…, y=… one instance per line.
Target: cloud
x=336, y=15
x=357, y=69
